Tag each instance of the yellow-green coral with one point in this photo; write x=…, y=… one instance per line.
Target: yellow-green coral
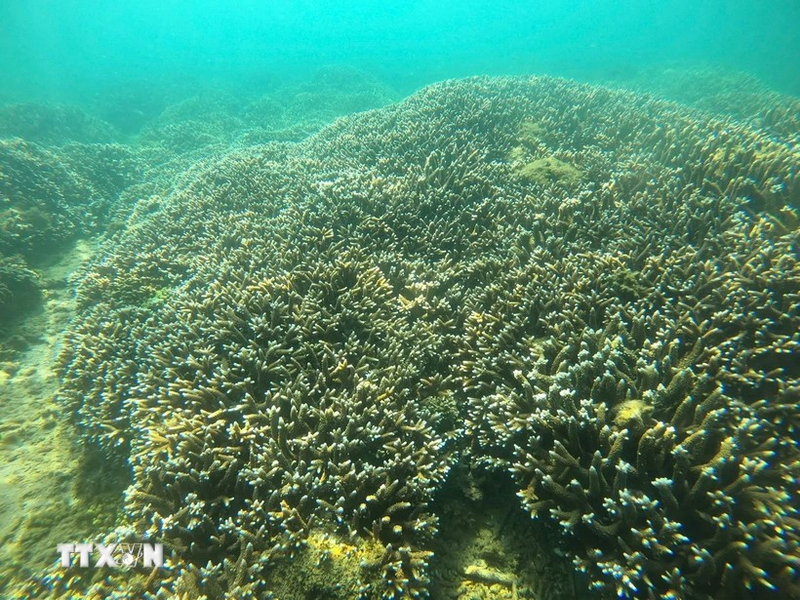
x=548, y=170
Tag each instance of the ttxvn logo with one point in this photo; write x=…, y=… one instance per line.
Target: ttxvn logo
x=113, y=555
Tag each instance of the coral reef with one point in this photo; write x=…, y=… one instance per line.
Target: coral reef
x=332, y=92
x=294, y=344
x=293, y=112
x=19, y=288
x=129, y=103
x=724, y=92
x=203, y=120
x=42, y=203
x=53, y=125
x=49, y=197
x=289, y=113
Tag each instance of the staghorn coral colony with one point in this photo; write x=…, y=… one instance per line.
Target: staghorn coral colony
x=721, y=92
x=585, y=300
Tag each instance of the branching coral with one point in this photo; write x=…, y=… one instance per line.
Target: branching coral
x=725, y=92
x=19, y=289
x=48, y=198
x=275, y=335
x=53, y=125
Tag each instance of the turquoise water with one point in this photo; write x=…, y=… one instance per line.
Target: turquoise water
x=383, y=301
x=73, y=48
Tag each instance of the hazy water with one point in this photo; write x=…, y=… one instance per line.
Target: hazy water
x=71, y=49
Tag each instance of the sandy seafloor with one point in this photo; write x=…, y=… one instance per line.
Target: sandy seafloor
x=42, y=463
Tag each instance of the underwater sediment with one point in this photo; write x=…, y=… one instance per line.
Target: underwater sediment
x=585, y=298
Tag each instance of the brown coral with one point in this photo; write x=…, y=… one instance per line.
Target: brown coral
x=618, y=346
